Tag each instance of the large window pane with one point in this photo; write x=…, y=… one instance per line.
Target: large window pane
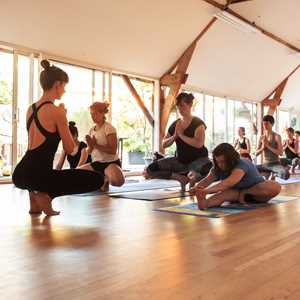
x=209, y=112
x=78, y=96
x=230, y=121
x=198, y=106
x=133, y=128
x=219, y=120
x=283, y=122
x=6, y=99
x=23, y=103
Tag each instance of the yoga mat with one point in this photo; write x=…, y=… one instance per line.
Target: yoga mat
x=150, y=184
x=224, y=210
x=152, y=195
x=289, y=181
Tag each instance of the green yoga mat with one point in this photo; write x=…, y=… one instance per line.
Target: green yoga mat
x=225, y=210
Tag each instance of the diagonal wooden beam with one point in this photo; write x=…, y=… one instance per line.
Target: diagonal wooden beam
x=262, y=30
x=286, y=78
x=236, y=1
x=171, y=69
x=138, y=99
x=274, y=99
x=174, y=81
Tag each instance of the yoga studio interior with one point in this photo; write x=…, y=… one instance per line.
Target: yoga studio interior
x=150, y=149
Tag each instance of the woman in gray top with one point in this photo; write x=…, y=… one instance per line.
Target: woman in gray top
x=270, y=146
x=238, y=181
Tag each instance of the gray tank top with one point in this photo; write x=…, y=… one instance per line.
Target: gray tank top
x=269, y=156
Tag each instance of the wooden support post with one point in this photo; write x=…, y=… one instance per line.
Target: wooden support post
x=175, y=80
x=138, y=99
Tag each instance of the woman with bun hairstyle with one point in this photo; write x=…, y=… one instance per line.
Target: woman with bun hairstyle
x=102, y=141
x=81, y=156
x=46, y=125
x=188, y=132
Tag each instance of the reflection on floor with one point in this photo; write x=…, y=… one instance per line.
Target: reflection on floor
x=111, y=248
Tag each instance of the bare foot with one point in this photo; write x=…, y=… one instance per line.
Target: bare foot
x=272, y=176
x=45, y=203
x=292, y=171
x=201, y=199
x=105, y=186
x=183, y=180
x=34, y=207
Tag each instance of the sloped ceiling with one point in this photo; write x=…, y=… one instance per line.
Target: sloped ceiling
x=146, y=37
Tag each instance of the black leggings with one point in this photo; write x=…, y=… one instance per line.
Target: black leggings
x=58, y=182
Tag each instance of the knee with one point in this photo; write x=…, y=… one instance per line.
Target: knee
x=117, y=180
x=275, y=189
x=153, y=167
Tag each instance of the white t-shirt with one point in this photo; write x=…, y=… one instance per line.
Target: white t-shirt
x=101, y=137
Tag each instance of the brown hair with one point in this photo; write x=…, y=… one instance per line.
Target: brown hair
x=73, y=128
x=231, y=157
x=51, y=74
x=291, y=130
x=185, y=97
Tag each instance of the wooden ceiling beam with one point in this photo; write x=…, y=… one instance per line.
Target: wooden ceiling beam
x=138, y=99
x=262, y=30
x=175, y=80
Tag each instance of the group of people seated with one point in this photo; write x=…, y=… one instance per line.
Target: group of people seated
x=95, y=164
x=239, y=178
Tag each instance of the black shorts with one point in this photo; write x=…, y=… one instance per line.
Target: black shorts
x=101, y=166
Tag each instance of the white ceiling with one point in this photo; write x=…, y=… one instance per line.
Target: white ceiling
x=146, y=37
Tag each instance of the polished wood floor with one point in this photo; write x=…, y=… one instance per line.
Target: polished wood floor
x=104, y=248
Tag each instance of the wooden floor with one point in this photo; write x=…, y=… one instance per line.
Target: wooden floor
x=104, y=248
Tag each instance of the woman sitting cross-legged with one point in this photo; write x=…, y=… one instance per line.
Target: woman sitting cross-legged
x=239, y=181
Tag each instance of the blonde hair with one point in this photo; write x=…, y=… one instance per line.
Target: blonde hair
x=100, y=107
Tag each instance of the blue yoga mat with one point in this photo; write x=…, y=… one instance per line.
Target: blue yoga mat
x=222, y=211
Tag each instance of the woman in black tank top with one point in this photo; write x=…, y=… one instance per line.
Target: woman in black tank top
x=188, y=133
x=81, y=157
x=47, y=125
x=242, y=144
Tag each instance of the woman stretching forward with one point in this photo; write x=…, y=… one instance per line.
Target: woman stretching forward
x=239, y=181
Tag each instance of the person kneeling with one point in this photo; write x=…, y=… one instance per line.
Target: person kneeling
x=239, y=181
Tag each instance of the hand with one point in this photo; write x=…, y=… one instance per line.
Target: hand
x=179, y=128
x=264, y=142
x=90, y=141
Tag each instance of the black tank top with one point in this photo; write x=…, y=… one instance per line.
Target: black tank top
x=74, y=159
x=288, y=153
x=185, y=152
x=43, y=155
x=243, y=144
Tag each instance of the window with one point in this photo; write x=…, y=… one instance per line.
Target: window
x=134, y=131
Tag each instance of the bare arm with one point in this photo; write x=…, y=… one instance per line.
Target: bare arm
x=63, y=130
x=83, y=157
x=294, y=150
x=236, y=145
x=260, y=147
x=198, y=140
x=234, y=178
x=205, y=182
x=168, y=140
x=61, y=160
